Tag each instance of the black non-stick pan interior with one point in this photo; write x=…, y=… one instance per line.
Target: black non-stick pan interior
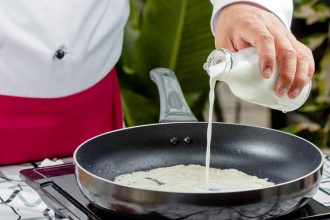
x=262, y=152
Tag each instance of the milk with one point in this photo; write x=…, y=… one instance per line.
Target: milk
x=240, y=71
x=209, y=132
x=242, y=74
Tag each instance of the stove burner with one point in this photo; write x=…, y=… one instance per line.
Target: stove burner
x=59, y=190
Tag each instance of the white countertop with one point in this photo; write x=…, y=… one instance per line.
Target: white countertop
x=19, y=201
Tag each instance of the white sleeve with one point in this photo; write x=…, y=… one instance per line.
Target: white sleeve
x=281, y=8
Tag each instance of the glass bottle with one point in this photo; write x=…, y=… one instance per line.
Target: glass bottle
x=240, y=71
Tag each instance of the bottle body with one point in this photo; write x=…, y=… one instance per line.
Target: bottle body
x=241, y=72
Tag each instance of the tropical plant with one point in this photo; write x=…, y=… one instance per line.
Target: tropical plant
x=164, y=33
x=316, y=16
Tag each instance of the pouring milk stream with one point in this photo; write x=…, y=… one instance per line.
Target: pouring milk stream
x=240, y=71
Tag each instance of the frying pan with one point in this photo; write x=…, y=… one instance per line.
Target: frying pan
x=292, y=163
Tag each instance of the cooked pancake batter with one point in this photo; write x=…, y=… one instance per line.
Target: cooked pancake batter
x=191, y=178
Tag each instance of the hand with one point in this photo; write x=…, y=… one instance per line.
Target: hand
x=241, y=25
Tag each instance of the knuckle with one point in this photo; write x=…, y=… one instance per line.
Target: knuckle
x=309, y=51
x=300, y=81
x=270, y=57
x=303, y=56
x=310, y=60
x=266, y=37
x=247, y=23
x=311, y=70
x=289, y=53
x=287, y=78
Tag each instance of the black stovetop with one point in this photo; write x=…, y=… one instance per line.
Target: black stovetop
x=58, y=188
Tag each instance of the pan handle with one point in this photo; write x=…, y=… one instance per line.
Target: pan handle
x=173, y=106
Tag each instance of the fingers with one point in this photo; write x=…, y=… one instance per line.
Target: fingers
x=287, y=64
x=233, y=45
x=259, y=37
x=302, y=72
x=295, y=61
x=300, y=77
x=225, y=42
x=296, y=66
x=244, y=25
x=311, y=63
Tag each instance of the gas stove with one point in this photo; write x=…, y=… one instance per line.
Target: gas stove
x=58, y=188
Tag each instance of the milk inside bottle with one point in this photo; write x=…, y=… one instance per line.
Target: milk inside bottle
x=240, y=70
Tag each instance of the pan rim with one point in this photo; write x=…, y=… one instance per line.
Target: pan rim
x=75, y=161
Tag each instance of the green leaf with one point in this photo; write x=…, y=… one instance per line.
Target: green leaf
x=325, y=73
x=137, y=108
x=312, y=12
x=296, y=128
x=318, y=107
x=310, y=108
x=303, y=2
x=308, y=130
x=314, y=40
x=173, y=34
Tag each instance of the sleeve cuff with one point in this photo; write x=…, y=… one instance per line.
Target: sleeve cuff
x=283, y=9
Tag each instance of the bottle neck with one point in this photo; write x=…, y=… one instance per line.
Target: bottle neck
x=219, y=63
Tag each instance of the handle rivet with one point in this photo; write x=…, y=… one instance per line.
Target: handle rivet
x=174, y=140
x=187, y=140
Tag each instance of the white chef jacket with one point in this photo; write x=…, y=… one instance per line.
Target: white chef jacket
x=58, y=48
x=281, y=8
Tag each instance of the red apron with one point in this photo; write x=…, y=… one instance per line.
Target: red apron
x=36, y=128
